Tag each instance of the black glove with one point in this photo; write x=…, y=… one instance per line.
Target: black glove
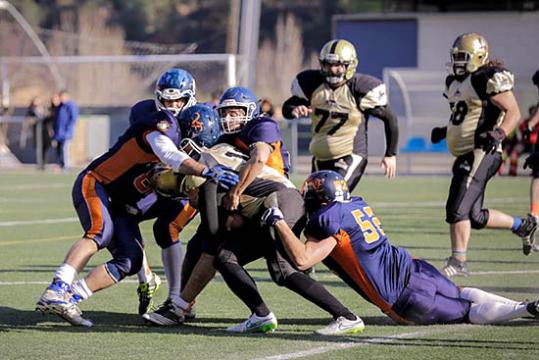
x=532, y=161
x=438, y=134
x=490, y=140
x=222, y=175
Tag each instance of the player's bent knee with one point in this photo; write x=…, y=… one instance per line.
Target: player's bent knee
x=121, y=267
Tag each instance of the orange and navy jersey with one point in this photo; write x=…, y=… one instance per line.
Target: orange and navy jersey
x=123, y=169
x=262, y=129
x=363, y=256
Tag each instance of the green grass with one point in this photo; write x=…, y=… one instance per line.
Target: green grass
x=412, y=213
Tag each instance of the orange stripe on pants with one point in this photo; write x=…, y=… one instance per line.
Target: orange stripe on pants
x=93, y=202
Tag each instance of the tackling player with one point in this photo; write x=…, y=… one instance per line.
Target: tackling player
x=484, y=110
x=102, y=196
x=345, y=234
x=340, y=102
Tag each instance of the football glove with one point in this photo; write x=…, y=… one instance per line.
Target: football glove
x=490, y=140
x=532, y=161
x=438, y=134
x=271, y=216
x=222, y=175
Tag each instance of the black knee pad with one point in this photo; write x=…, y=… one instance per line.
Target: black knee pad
x=479, y=219
x=161, y=233
x=280, y=271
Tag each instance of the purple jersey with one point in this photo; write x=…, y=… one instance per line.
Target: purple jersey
x=262, y=129
x=124, y=168
x=363, y=257
x=142, y=110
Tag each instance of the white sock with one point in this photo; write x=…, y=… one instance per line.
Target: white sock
x=145, y=273
x=81, y=288
x=66, y=273
x=479, y=296
x=496, y=312
x=172, y=257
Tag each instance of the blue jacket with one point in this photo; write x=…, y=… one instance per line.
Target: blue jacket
x=64, y=124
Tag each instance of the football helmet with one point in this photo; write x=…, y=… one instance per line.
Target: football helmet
x=468, y=53
x=338, y=51
x=237, y=97
x=322, y=187
x=165, y=182
x=175, y=84
x=199, y=126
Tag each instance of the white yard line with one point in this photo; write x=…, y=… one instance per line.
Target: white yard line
x=39, y=222
x=36, y=186
x=355, y=344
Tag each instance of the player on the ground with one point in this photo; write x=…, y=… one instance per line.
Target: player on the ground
x=103, y=195
x=237, y=239
x=345, y=234
x=484, y=110
x=340, y=102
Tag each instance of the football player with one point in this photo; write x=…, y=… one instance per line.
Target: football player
x=345, y=234
x=103, y=195
x=532, y=162
x=171, y=216
x=340, y=102
x=484, y=110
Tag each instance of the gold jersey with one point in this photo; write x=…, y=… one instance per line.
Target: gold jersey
x=227, y=155
x=338, y=125
x=472, y=112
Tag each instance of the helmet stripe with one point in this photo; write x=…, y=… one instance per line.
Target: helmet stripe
x=333, y=47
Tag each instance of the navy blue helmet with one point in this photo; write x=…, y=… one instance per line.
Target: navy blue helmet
x=175, y=84
x=199, y=126
x=323, y=187
x=237, y=97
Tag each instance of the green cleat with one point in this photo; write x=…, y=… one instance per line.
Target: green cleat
x=146, y=291
x=256, y=323
x=343, y=326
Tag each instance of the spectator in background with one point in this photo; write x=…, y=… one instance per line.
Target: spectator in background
x=266, y=107
x=40, y=119
x=64, y=125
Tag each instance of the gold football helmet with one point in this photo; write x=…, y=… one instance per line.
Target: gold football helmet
x=468, y=53
x=338, y=51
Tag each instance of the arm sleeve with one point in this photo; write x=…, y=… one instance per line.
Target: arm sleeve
x=391, y=127
x=291, y=103
x=165, y=150
x=266, y=131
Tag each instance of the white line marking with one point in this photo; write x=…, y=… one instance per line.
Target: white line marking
x=367, y=342
x=39, y=222
x=36, y=186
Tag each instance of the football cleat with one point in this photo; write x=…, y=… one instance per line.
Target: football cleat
x=526, y=231
x=455, y=267
x=57, y=299
x=191, y=314
x=343, y=326
x=533, y=308
x=256, y=323
x=168, y=314
x=146, y=291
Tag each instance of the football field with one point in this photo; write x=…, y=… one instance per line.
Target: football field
x=38, y=225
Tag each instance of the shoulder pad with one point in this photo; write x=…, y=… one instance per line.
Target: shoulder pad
x=306, y=82
x=492, y=80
